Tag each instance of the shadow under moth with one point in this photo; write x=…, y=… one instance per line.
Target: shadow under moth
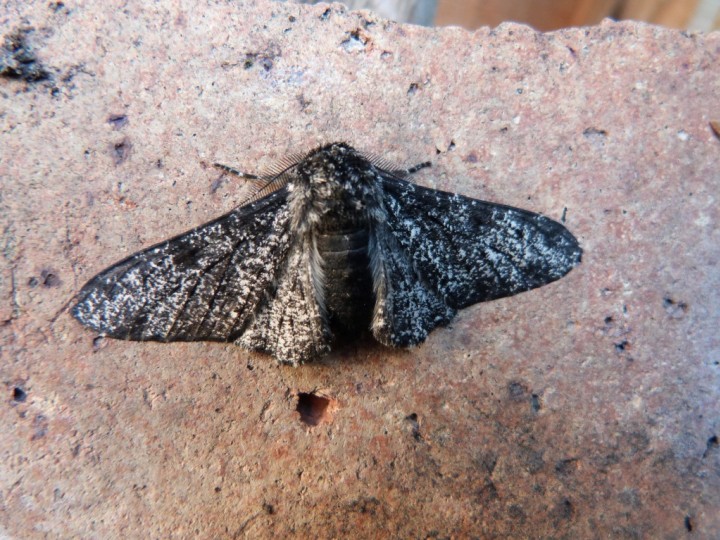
x=333, y=244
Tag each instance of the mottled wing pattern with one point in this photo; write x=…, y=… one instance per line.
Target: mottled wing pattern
x=406, y=309
x=205, y=284
x=290, y=323
x=469, y=251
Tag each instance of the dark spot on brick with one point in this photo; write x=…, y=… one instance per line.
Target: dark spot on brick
x=688, y=524
x=564, y=214
x=591, y=131
x=413, y=419
x=535, y=403
x=303, y=102
x=621, y=346
x=292, y=18
x=532, y=459
x=33, y=282
x=487, y=462
x=40, y=425
x=18, y=394
x=366, y=505
x=487, y=493
x=217, y=183
x=18, y=61
x=269, y=508
x=313, y=408
x=326, y=14
x=471, y=158
x=121, y=151
x=675, y=309
x=637, y=441
x=265, y=59
x=517, y=391
x=412, y=89
x=630, y=498
x=566, y=466
x=49, y=278
x=608, y=320
x=563, y=511
x=218, y=489
x=118, y=121
x=516, y=513
x=712, y=444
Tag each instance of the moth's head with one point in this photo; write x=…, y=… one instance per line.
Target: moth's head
x=331, y=163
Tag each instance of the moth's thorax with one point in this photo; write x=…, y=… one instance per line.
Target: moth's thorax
x=337, y=187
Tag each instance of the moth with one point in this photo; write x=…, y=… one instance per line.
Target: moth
x=335, y=243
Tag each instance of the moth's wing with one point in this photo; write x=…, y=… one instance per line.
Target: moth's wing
x=469, y=251
x=406, y=308
x=201, y=285
x=291, y=324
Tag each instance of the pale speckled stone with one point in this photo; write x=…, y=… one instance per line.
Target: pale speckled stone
x=583, y=409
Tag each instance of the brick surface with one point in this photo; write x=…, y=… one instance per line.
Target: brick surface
x=584, y=409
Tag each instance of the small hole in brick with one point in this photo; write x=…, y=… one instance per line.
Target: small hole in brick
x=313, y=408
x=19, y=394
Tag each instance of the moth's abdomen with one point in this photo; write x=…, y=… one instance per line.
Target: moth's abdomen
x=349, y=298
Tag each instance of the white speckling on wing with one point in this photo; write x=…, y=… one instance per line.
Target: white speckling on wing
x=291, y=325
x=469, y=250
x=183, y=288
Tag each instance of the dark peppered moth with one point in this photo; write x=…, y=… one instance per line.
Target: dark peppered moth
x=335, y=243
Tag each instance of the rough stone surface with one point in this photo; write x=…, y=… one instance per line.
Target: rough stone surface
x=584, y=409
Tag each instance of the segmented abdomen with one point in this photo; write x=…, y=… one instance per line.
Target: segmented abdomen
x=349, y=297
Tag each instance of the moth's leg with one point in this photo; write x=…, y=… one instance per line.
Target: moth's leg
x=236, y=172
x=260, y=181
x=402, y=173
